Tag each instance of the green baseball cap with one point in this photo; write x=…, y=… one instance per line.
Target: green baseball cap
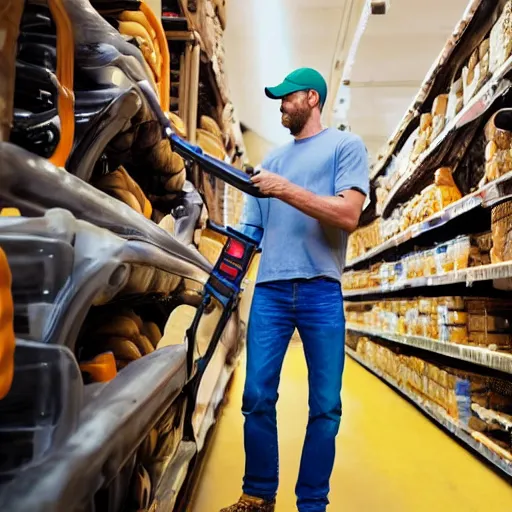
x=301, y=79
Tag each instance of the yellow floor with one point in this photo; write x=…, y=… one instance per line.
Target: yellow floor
x=390, y=457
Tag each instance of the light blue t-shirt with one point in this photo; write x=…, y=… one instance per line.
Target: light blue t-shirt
x=295, y=245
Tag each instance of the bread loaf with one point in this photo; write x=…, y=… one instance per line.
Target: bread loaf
x=455, y=99
x=454, y=318
x=501, y=227
x=432, y=199
x=439, y=109
x=498, y=152
x=122, y=186
x=209, y=124
x=453, y=334
x=178, y=125
x=501, y=39
x=424, y=136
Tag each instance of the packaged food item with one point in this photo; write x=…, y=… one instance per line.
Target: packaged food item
x=439, y=109
x=498, y=155
x=459, y=252
x=451, y=303
x=364, y=239
x=479, y=253
x=453, y=334
x=455, y=99
x=488, y=323
x=501, y=39
x=475, y=74
x=429, y=263
x=453, y=318
x=432, y=199
x=412, y=321
x=471, y=77
x=424, y=136
x=501, y=226
x=425, y=306
x=443, y=263
x=483, y=241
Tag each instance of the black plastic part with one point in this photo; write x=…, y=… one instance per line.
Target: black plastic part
x=215, y=167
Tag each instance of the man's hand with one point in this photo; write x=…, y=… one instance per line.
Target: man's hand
x=270, y=184
x=341, y=211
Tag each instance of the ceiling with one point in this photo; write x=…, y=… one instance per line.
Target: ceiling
x=266, y=39
x=395, y=53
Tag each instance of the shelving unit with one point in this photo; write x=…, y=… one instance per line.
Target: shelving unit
x=475, y=19
x=437, y=415
x=486, y=197
x=497, y=86
x=496, y=272
x=402, y=185
x=195, y=35
x=475, y=355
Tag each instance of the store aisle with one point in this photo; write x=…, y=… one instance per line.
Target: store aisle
x=390, y=457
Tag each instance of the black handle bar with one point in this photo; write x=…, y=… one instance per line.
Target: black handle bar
x=214, y=166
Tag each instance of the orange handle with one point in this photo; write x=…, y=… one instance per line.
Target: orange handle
x=7, y=338
x=65, y=71
x=165, y=81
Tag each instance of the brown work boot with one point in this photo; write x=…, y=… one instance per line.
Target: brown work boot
x=10, y=18
x=251, y=504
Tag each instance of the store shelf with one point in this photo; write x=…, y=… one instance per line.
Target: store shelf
x=479, y=104
x=486, y=197
x=440, y=64
x=475, y=355
x=175, y=24
x=438, y=415
x=497, y=271
x=199, y=21
x=503, y=420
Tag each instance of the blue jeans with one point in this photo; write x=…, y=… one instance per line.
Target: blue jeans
x=315, y=308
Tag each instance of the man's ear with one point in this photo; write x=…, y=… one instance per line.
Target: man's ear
x=313, y=99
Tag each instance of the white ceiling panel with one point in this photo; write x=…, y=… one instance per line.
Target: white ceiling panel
x=266, y=39
x=394, y=55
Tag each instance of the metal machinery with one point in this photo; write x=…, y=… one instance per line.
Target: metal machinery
x=120, y=279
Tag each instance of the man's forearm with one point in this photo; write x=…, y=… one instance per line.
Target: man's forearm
x=334, y=211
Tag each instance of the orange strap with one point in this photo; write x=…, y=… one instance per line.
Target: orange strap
x=165, y=82
x=102, y=368
x=7, y=338
x=65, y=71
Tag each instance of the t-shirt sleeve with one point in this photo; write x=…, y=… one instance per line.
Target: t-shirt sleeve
x=251, y=214
x=251, y=223
x=352, y=166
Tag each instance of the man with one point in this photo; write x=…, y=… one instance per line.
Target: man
x=316, y=187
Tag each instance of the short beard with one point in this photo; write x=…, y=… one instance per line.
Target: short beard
x=295, y=122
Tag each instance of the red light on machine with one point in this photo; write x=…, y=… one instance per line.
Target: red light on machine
x=235, y=249
x=229, y=271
